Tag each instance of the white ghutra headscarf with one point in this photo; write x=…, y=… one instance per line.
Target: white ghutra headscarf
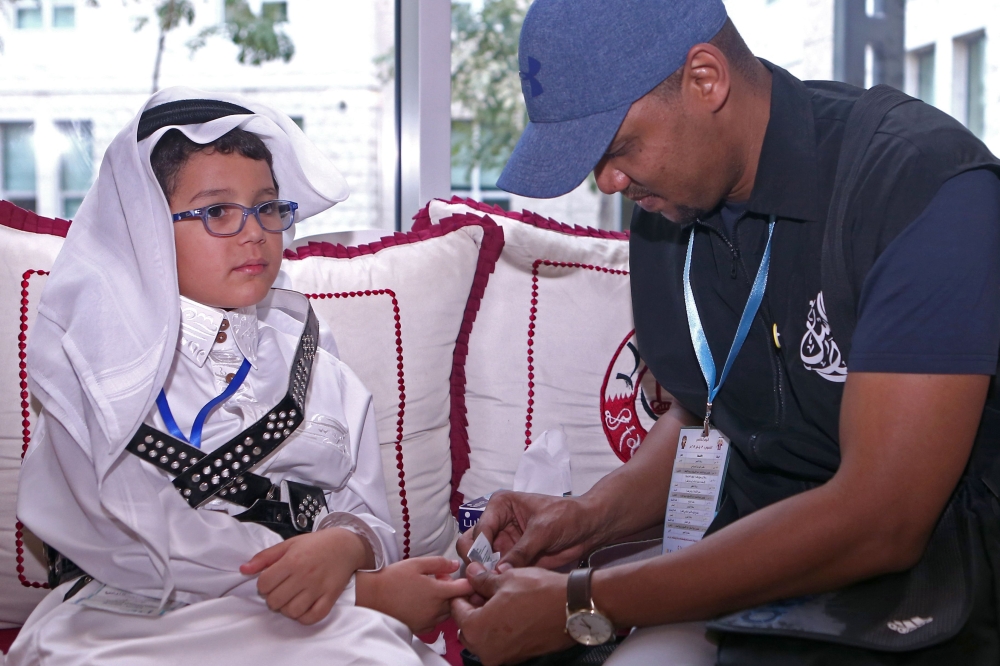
x=108, y=319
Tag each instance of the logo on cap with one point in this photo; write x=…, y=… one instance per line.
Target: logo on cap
x=530, y=76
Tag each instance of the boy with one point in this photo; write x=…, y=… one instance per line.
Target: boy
x=203, y=456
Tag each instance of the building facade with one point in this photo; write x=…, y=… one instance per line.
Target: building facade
x=73, y=73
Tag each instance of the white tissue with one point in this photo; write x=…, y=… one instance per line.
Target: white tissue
x=544, y=467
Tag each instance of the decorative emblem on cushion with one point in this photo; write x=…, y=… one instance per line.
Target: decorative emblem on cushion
x=631, y=400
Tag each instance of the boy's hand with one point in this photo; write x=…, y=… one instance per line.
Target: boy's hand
x=304, y=576
x=416, y=592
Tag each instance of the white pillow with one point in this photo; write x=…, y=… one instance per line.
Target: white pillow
x=400, y=310
x=28, y=246
x=550, y=348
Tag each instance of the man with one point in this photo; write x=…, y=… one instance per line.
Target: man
x=864, y=503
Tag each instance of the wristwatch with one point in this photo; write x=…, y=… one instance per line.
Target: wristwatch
x=584, y=623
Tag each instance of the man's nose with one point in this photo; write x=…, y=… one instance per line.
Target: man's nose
x=609, y=179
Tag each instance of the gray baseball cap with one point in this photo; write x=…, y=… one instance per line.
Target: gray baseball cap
x=583, y=63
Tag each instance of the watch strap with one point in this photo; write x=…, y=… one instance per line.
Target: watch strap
x=578, y=590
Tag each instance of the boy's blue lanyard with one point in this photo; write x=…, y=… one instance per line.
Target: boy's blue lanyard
x=698, y=338
x=199, y=421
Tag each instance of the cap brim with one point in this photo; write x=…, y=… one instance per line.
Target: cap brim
x=551, y=159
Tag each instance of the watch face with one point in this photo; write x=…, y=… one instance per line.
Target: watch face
x=589, y=628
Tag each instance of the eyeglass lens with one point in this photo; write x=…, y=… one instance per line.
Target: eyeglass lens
x=226, y=219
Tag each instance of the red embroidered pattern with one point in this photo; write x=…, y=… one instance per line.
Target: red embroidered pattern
x=402, y=399
x=422, y=220
x=533, y=315
x=489, y=254
x=22, y=343
x=24, y=220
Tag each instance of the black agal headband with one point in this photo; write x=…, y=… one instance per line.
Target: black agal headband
x=185, y=112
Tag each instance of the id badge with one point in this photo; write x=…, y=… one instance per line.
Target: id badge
x=695, y=486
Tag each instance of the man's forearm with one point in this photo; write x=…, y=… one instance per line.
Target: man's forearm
x=801, y=545
x=905, y=440
x=634, y=497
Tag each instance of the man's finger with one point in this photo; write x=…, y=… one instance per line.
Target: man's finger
x=462, y=611
x=264, y=559
x=525, y=552
x=485, y=583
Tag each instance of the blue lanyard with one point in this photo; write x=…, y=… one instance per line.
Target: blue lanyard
x=199, y=421
x=698, y=338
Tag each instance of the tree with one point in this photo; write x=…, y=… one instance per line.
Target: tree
x=259, y=37
x=484, y=83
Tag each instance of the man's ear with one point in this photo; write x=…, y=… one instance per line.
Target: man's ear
x=706, y=80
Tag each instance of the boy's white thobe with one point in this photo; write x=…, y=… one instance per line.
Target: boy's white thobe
x=335, y=448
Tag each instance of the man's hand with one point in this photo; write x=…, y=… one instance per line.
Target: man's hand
x=552, y=531
x=304, y=576
x=417, y=592
x=524, y=616
x=532, y=529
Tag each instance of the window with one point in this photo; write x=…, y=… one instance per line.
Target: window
x=29, y=18
x=488, y=116
x=17, y=163
x=64, y=16
x=76, y=164
x=332, y=61
x=875, y=8
x=975, y=97
x=873, y=66
x=925, y=75
x=462, y=163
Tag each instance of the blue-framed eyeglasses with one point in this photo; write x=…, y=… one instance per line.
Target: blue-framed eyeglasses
x=228, y=219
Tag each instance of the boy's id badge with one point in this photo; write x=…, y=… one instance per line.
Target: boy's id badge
x=114, y=600
x=695, y=486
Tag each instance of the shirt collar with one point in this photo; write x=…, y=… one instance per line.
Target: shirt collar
x=200, y=326
x=786, y=182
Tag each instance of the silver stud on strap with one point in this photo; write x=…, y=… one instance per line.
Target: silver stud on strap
x=149, y=439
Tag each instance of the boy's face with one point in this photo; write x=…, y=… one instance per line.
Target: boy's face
x=235, y=271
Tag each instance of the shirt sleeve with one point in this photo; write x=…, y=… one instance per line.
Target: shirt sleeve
x=931, y=302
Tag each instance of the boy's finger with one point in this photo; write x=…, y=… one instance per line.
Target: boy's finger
x=319, y=610
x=264, y=559
x=437, y=565
x=446, y=589
x=272, y=577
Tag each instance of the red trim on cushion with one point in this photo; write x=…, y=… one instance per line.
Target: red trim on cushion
x=7, y=637
x=402, y=399
x=422, y=220
x=24, y=220
x=489, y=254
x=22, y=343
x=533, y=313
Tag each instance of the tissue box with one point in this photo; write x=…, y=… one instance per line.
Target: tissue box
x=470, y=512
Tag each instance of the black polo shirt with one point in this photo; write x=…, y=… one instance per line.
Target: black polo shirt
x=781, y=403
x=787, y=382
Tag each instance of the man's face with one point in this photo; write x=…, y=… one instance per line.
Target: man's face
x=234, y=271
x=668, y=157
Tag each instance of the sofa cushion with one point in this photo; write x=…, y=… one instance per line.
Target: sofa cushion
x=401, y=310
x=553, y=346
x=28, y=246
x=408, y=300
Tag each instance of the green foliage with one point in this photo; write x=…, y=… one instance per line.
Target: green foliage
x=485, y=86
x=259, y=38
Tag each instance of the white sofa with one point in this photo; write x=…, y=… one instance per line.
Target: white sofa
x=476, y=332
